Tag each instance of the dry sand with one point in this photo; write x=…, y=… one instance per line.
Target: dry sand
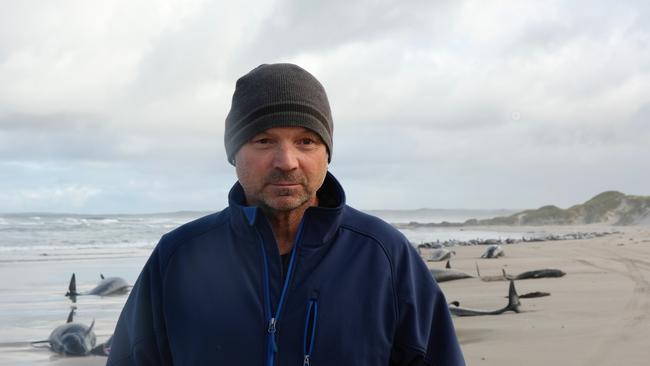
x=598, y=314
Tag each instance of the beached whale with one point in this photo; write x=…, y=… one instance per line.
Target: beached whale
x=447, y=274
x=493, y=251
x=106, y=287
x=534, y=274
x=438, y=255
x=513, y=305
x=73, y=339
x=540, y=273
x=442, y=275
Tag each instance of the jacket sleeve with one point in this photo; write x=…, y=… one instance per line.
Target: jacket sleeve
x=425, y=333
x=140, y=336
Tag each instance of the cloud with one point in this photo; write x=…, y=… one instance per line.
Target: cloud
x=466, y=103
x=58, y=198
x=294, y=28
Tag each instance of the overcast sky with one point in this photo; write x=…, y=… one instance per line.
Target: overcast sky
x=119, y=106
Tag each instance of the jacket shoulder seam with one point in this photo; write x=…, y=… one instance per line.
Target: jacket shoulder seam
x=185, y=240
x=173, y=252
x=390, y=263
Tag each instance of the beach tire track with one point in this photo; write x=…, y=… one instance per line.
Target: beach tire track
x=640, y=302
x=637, y=309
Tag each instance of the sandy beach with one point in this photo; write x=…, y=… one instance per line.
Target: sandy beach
x=598, y=314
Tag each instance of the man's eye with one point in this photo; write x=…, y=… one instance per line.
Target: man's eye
x=262, y=141
x=307, y=141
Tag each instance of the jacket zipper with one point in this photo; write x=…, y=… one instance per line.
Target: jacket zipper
x=308, y=339
x=272, y=346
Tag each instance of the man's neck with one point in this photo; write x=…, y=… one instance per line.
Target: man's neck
x=285, y=225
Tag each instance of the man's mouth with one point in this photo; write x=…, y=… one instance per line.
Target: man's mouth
x=284, y=184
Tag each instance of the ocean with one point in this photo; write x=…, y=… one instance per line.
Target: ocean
x=38, y=236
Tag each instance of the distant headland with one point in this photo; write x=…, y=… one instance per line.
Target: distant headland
x=609, y=208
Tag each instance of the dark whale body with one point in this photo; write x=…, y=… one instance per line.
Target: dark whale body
x=447, y=274
x=106, y=287
x=71, y=339
x=76, y=339
x=540, y=273
x=443, y=275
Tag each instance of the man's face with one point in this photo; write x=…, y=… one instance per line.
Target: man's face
x=281, y=168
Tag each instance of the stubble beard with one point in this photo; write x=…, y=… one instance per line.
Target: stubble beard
x=285, y=199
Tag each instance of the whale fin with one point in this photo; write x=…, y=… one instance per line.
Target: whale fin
x=40, y=344
x=72, y=287
x=70, y=315
x=101, y=275
x=513, y=299
x=506, y=276
x=90, y=328
x=448, y=266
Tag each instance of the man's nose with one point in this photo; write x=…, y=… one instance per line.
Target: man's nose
x=286, y=157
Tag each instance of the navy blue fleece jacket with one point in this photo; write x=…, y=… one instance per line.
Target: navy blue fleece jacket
x=356, y=293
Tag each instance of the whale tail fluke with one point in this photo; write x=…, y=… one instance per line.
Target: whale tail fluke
x=513, y=299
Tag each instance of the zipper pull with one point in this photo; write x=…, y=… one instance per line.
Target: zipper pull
x=306, y=362
x=274, y=344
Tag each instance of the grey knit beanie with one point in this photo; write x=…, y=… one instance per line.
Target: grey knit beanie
x=277, y=95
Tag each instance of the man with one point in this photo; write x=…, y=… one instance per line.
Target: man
x=287, y=274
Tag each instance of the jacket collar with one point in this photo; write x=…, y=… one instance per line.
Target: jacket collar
x=319, y=223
